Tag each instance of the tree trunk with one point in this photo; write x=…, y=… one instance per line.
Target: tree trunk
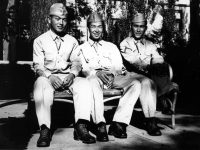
x=3, y=6
x=39, y=14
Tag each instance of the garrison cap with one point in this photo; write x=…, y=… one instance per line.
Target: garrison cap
x=94, y=17
x=59, y=10
x=139, y=17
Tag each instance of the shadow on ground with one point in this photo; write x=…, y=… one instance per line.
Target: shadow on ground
x=16, y=132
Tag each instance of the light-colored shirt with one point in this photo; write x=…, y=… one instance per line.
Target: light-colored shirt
x=54, y=59
x=100, y=55
x=139, y=53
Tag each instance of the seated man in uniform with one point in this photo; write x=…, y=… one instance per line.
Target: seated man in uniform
x=143, y=58
x=102, y=65
x=57, y=69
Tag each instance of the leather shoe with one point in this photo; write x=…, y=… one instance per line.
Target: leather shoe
x=45, y=137
x=102, y=135
x=117, y=130
x=81, y=133
x=152, y=128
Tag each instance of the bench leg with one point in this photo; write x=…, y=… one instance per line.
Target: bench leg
x=173, y=108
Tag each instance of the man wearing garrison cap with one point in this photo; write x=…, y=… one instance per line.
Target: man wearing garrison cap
x=57, y=69
x=102, y=65
x=142, y=57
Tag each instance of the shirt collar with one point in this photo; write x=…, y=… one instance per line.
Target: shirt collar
x=91, y=42
x=142, y=41
x=55, y=36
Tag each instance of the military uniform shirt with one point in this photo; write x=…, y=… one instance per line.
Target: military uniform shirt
x=54, y=59
x=100, y=55
x=139, y=53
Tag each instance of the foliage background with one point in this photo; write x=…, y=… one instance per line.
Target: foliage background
x=120, y=28
x=40, y=10
x=39, y=14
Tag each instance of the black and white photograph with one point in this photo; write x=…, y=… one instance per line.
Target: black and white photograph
x=100, y=74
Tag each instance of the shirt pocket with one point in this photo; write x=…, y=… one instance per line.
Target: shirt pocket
x=106, y=61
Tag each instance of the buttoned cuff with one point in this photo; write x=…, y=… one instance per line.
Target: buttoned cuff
x=74, y=72
x=47, y=73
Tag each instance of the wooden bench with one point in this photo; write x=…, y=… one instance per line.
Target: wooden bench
x=109, y=94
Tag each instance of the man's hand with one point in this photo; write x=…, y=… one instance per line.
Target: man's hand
x=159, y=60
x=68, y=80
x=106, y=78
x=40, y=73
x=55, y=81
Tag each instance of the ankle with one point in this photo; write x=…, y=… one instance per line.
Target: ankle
x=43, y=126
x=150, y=118
x=101, y=123
x=82, y=121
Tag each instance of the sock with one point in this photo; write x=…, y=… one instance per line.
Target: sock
x=148, y=120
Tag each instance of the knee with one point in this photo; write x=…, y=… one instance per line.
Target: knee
x=41, y=81
x=146, y=82
x=82, y=84
x=93, y=80
x=42, y=84
x=136, y=84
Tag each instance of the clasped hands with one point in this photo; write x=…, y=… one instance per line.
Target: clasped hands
x=106, y=77
x=57, y=83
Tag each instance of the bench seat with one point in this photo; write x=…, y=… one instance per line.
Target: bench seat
x=18, y=79
x=64, y=96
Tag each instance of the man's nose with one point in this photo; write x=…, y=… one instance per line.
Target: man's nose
x=61, y=21
x=138, y=28
x=97, y=29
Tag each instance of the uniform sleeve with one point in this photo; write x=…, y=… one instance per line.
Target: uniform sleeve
x=75, y=60
x=128, y=52
x=38, y=59
x=116, y=61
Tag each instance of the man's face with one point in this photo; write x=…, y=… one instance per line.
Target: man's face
x=96, y=30
x=138, y=29
x=58, y=24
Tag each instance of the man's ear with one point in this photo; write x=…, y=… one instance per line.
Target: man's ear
x=49, y=19
x=88, y=32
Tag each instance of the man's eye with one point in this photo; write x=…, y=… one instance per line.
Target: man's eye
x=57, y=18
x=92, y=26
x=136, y=26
